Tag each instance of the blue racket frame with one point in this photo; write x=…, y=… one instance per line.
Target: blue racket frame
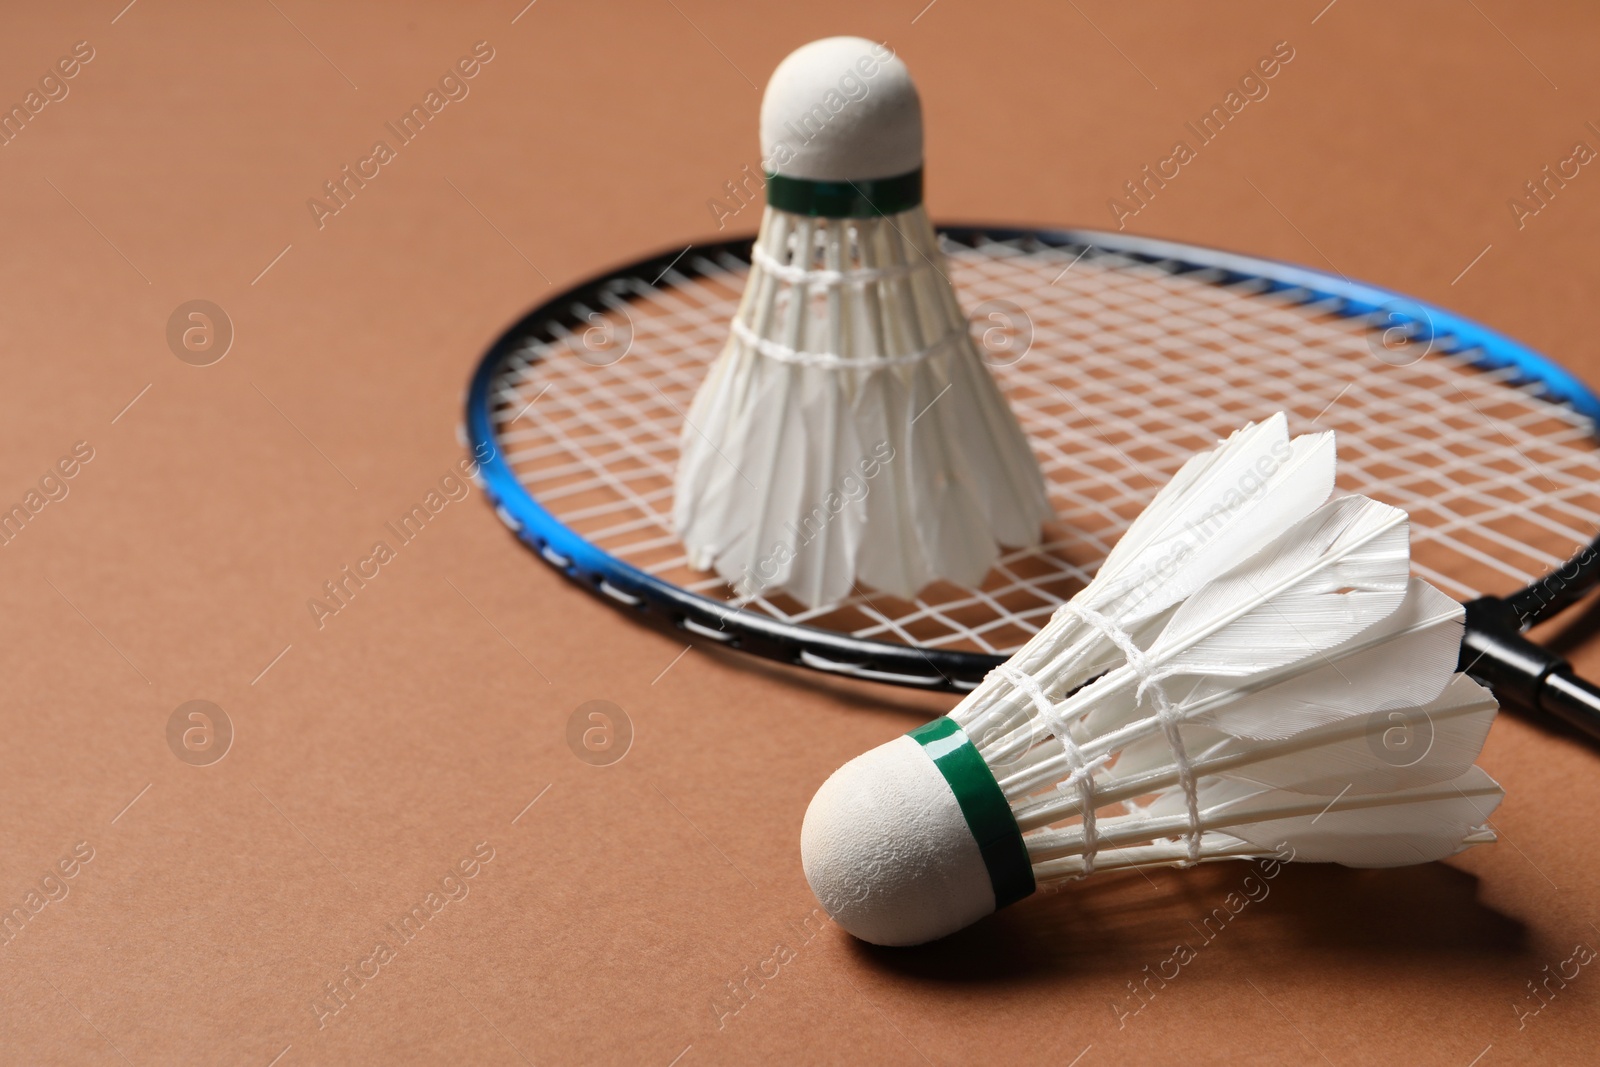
x=636, y=591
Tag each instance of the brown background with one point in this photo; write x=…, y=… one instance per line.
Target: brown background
x=380, y=749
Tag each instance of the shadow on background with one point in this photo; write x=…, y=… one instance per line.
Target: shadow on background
x=1117, y=923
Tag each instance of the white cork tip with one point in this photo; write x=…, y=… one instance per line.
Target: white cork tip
x=841, y=109
x=887, y=850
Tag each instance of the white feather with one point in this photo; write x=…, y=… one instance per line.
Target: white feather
x=1429, y=822
x=1402, y=660
x=1389, y=748
x=1218, y=510
x=1212, y=515
x=1380, y=816
x=849, y=347
x=1333, y=574
x=1329, y=577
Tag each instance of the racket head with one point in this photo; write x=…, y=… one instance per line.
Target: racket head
x=1122, y=356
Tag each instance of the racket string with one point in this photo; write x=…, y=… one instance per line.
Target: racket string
x=1132, y=368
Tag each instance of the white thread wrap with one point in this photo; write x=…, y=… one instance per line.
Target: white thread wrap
x=1150, y=681
x=771, y=349
x=1082, y=776
x=822, y=276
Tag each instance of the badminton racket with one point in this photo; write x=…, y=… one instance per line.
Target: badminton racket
x=1122, y=356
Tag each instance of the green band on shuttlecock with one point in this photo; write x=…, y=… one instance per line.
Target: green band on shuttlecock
x=983, y=804
x=845, y=200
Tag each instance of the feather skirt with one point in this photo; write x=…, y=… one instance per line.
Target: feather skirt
x=850, y=432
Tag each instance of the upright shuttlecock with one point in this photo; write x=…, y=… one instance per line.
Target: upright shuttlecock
x=850, y=430
x=1252, y=673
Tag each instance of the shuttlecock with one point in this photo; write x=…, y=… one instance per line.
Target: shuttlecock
x=850, y=430
x=1252, y=673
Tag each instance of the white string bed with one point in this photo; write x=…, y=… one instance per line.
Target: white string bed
x=1131, y=369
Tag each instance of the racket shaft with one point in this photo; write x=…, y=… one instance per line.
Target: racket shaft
x=1572, y=700
x=1522, y=674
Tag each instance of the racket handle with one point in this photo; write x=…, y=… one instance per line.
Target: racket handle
x=1523, y=674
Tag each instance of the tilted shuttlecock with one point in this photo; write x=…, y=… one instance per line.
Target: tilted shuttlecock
x=1252, y=673
x=850, y=430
